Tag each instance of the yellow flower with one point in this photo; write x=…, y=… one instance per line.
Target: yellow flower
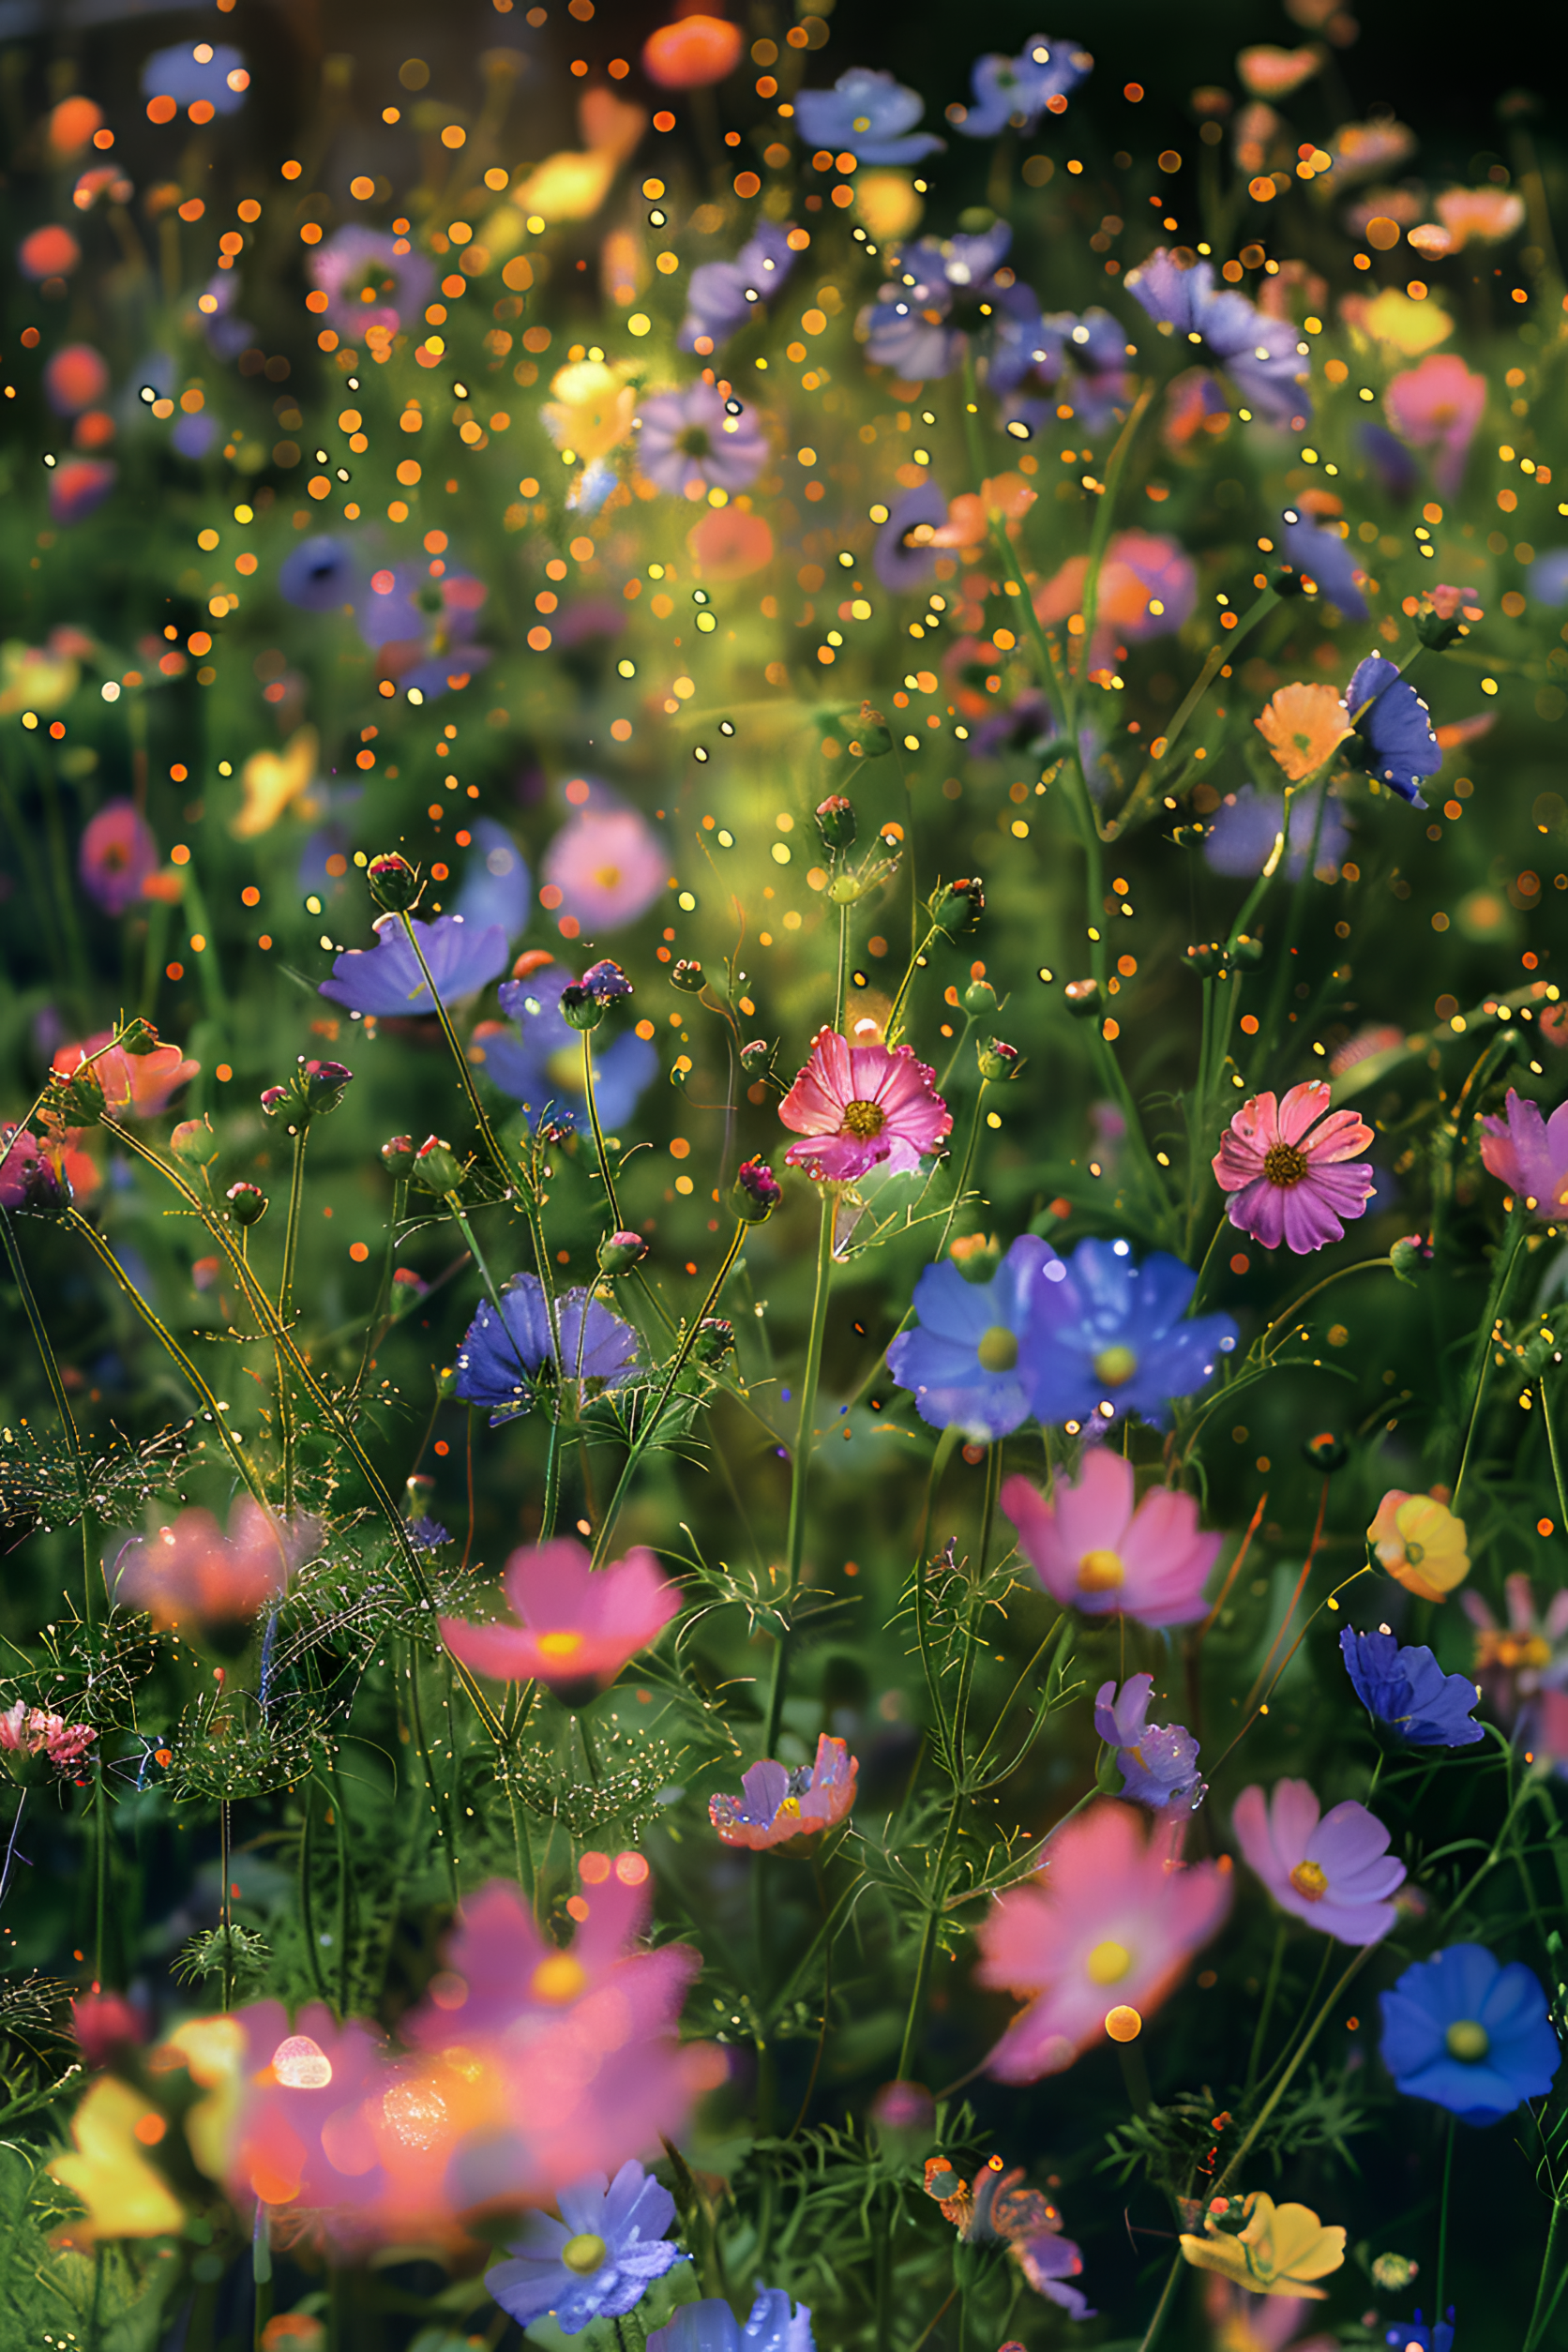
x=272, y=780
x=1280, y=2251
x=567, y=187
x=887, y=204
x=593, y=408
x=1300, y=725
x=1420, y=1543
x=124, y=2196
x=212, y=2050
x=34, y=679
x=1411, y=327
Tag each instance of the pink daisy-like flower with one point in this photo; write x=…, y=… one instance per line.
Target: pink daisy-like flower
x=1285, y=1170
x=1336, y=1871
x=861, y=1106
x=1112, y=1922
x=193, y=1572
x=135, y=1085
x=1093, y=1551
x=606, y=868
x=578, y=1625
x=776, y=1804
x=1530, y=1155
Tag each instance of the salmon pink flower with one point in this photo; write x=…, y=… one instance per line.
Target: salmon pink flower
x=1286, y=1173
x=1302, y=726
x=117, y=854
x=193, y=1572
x=1332, y=1869
x=778, y=1804
x=1110, y=1923
x=859, y=1108
x=135, y=1085
x=1093, y=1551
x=578, y=1625
x=693, y=53
x=606, y=866
x=1438, y=406
x=1530, y=1155
x=1483, y=215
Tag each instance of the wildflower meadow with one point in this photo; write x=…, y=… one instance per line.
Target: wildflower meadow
x=784, y=1181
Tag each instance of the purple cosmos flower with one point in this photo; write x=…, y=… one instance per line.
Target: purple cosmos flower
x=118, y=852
x=495, y=884
x=696, y=441
x=193, y=436
x=610, y=867
x=227, y=333
x=386, y=978
x=869, y=114
x=1018, y=89
x=1100, y=386
x=29, y=1177
x=545, y=1064
x=1395, y=726
x=1529, y=1153
x=423, y=630
x=776, y=1804
x=775, y=2325
x=1261, y=357
x=498, y=1365
x=368, y=283
x=904, y=556
x=1469, y=2034
x=921, y=319
x=1105, y=1337
x=213, y=70
x=722, y=296
x=1244, y=829
x=1408, y=1690
x=320, y=575
x=1335, y=1872
x=1328, y=561
x=1158, y=1762
x=962, y=1359
x=597, y=2261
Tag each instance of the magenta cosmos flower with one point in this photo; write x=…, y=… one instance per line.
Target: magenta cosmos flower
x=118, y=853
x=607, y=866
x=579, y=1626
x=1282, y=1162
x=859, y=1108
x=776, y=1804
x=369, y=281
x=695, y=441
x=1093, y=1551
x=1530, y=1155
x=1110, y=1923
x=1335, y=1872
x=193, y=1572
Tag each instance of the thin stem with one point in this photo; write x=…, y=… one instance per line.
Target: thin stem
x=1502, y=1276
x=617, y=1222
x=801, y=1460
x=1163, y=2306
x=1143, y=790
x=1539, y=2319
x=1288, y=2076
x=506, y=1172
x=1264, y=2013
x=890, y=1027
x=843, y=969
x=58, y=1390
x=1443, y=2215
x=290, y=1230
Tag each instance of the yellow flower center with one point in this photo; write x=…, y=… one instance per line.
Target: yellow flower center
x=1468, y=2041
x=997, y=1350
x=558, y=1979
x=585, y=2254
x=1108, y=1963
x=1284, y=1165
x=560, y=1645
x=1115, y=1366
x=1310, y=1881
x=608, y=877
x=863, y=1120
x=1100, y=1572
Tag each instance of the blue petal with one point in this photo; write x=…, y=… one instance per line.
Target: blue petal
x=496, y=888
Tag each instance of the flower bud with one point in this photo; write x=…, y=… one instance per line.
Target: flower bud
x=754, y=1053
x=687, y=975
x=194, y=1142
x=1408, y=1255
x=1438, y=632
x=715, y=1339
x=322, y=1084
x=758, y=1192
x=137, y=1037
x=277, y=1099
x=872, y=736
x=999, y=1060
x=979, y=997
x=1325, y=1451
x=956, y=908
x=1248, y=950
x=836, y=823
x=606, y=982
x=394, y=884
x=1204, y=957
x=620, y=1252
x=437, y=1166
x=1083, y=996
x=247, y=1203
x=398, y=1154
x=580, y=1007
x=845, y=889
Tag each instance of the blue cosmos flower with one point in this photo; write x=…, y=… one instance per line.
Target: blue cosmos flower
x=1469, y=2034
x=386, y=978
x=1395, y=726
x=498, y=1362
x=1328, y=561
x=1548, y=580
x=1105, y=1337
x=319, y=575
x=543, y=1063
x=869, y=114
x=722, y=296
x=1415, y=2336
x=1408, y=1690
x=1018, y=89
x=1245, y=826
x=495, y=884
x=214, y=70
x=901, y=560
x=961, y=1358
x=911, y=326
x=597, y=2261
x=1397, y=470
x=1158, y=1762
x=1261, y=357
x=712, y=2326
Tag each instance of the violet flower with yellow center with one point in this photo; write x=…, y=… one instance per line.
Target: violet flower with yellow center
x=1332, y=1870
x=776, y=1804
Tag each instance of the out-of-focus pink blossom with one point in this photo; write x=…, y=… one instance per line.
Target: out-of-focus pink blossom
x=578, y=1625
x=859, y=1108
x=606, y=866
x=1438, y=406
x=1112, y=1922
x=135, y=1085
x=192, y=1573
x=1093, y=1551
x=776, y=1804
x=118, y=852
x=1480, y=216
x=31, y=1731
x=1515, y=1662
x=105, y=2025
x=1147, y=588
x=1530, y=1155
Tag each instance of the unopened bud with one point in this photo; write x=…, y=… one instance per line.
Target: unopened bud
x=275, y=1099
x=687, y=975
x=194, y=1142
x=580, y=1008
x=620, y=1252
x=394, y=884
x=979, y=997
x=1409, y=1254
x=957, y=907
x=398, y=1154
x=758, y=1191
x=437, y=1166
x=1325, y=1451
x=872, y=736
x=322, y=1084
x=715, y=1339
x=1247, y=950
x=247, y=1204
x=1083, y=996
x=999, y=1060
x=836, y=823
x=754, y=1053
x=1204, y=957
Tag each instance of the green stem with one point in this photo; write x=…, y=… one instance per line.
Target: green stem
x=1288, y=2076
x=506, y=1171
x=843, y=969
x=890, y=1027
x=1539, y=2317
x=1264, y=2013
x=307, y=1900
x=1502, y=1274
x=1162, y=2307
x=62, y=1402
x=801, y=1460
x=1143, y=790
x=617, y=1221
x=1442, y=2216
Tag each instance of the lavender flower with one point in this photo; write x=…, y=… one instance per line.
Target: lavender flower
x=696, y=441
x=868, y=113
x=722, y=296
x=1261, y=357
x=1158, y=1762
x=367, y=282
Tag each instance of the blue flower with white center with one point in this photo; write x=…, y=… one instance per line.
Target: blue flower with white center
x=1469, y=2034
x=386, y=978
x=1105, y=1337
x=1158, y=1762
x=500, y=1363
x=962, y=1359
x=775, y=2326
x=1018, y=89
x=1407, y=1691
x=867, y=113
x=543, y=1064
x=1394, y=725
x=1327, y=561
x=597, y=2261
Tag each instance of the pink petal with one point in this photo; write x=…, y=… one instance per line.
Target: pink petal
x=547, y=1584
x=1339, y=1137
x=1302, y=1106
x=504, y=1652
x=1260, y=1212
x=1236, y=1163
x=1309, y=1220
x=839, y=1158
x=1257, y=1122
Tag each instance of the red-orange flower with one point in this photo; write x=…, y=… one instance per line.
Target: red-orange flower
x=691, y=53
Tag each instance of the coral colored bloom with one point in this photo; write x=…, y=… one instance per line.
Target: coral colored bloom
x=961, y=1358
x=192, y=1572
x=135, y=1085
x=730, y=544
x=1106, y=1337
x=1335, y=1872
x=1111, y=1922
x=1158, y=1762
x=1303, y=726
x=79, y=488
x=691, y=443
x=1469, y=2034
x=778, y=1804
x=1438, y=406
x=692, y=52
x=859, y=1108
x=75, y=378
x=1421, y=1544
x=48, y=252
x=1271, y=72
x=599, y=2260
x=1483, y=215
x=578, y=1625
x=1093, y=1551
x=1408, y=1690
x=1530, y=1155
x=1285, y=1170
x=118, y=852
x=608, y=866
x=386, y=978
x=1281, y=2250
x=1147, y=588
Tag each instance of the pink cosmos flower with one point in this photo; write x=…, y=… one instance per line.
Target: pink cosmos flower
x=1112, y=1922
x=1335, y=1872
x=861, y=1106
x=578, y=1625
x=1147, y=588
x=1093, y=1551
x=193, y=1572
x=1512, y=1661
x=1530, y=1155
x=776, y=1804
x=29, y=1731
x=1438, y=406
x=117, y=854
x=1288, y=1183
x=135, y=1085
x=607, y=866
